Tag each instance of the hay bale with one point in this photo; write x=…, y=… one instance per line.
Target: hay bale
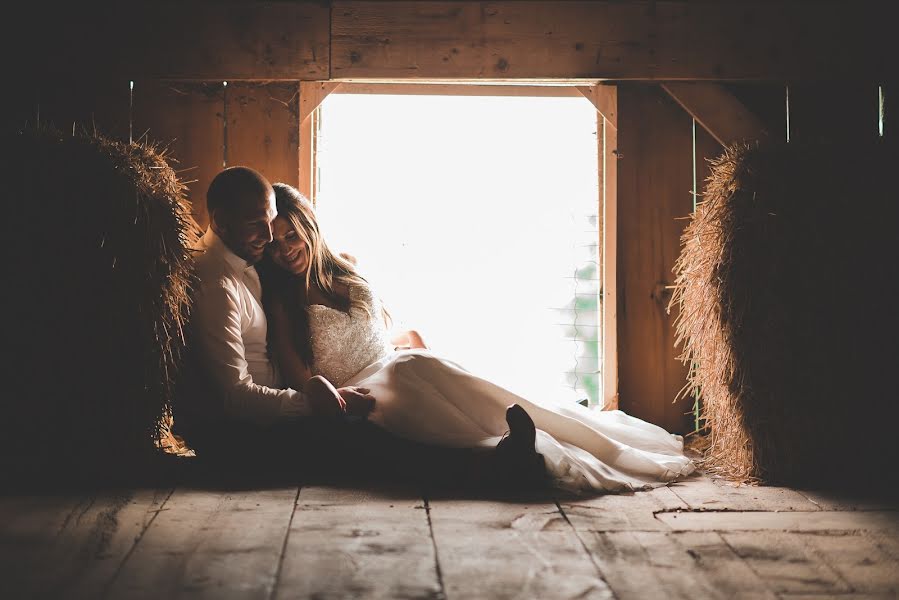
x=97, y=301
x=786, y=316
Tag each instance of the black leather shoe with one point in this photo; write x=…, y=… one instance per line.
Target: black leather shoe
x=520, y=465
x=521, y=427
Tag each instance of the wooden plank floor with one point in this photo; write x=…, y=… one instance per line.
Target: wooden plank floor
x=697, y=539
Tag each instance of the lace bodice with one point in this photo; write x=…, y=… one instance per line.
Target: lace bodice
x=345, y=343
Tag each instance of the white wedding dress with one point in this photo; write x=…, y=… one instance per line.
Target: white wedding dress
x=425, y=398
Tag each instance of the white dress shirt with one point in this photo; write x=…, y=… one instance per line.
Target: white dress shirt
x=230, y=330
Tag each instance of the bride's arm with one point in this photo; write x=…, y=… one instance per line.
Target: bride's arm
x=408, y=339
x=293, y=369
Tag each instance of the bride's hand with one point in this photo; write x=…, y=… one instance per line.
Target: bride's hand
x=324, y=399
x=357, y=400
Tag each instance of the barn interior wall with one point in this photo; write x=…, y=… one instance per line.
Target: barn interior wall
x=78, y=66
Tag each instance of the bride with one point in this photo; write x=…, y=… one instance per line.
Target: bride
x=324, y=320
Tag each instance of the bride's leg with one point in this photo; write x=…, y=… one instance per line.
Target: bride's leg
x=437, y=403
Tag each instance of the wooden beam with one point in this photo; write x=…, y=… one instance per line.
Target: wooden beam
x=717, y=110
x=177, y=40
x=605, y=99
x=639, y=40
x=312, y=94
x=418, y=88
x=439, y=40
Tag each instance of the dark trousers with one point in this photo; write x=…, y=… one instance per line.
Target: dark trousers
x=314, y=449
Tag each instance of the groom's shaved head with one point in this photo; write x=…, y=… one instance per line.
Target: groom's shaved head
x=241, y=205
x=234, y=188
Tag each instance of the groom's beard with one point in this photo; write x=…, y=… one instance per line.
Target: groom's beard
x=249, y=252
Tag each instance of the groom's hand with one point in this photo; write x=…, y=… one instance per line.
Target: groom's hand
x=324, y=399
x=358, y=400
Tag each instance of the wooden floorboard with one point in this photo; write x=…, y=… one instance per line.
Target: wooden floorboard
x=887, y=542
x=704, y=493
x=716, y=562
x=860, y=560
x=496, y=549
x=830, y=500
x=349, y=543
x=701, y=538
x=645, y=565
x=803, y=596
x=622, y=512
x=30, y=527
x=784, y=521
x=786, y=562
x=217, y=544
x=71, y=547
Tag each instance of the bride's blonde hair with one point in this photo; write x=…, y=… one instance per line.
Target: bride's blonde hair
x=326, y=271
x=325, y=267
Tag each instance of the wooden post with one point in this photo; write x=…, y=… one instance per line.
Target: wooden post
x=609, y=264
x=312, y=93
x=605, y=99
x=655, y=174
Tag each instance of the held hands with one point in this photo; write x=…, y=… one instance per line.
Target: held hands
x=358, y=401
x=327, y=401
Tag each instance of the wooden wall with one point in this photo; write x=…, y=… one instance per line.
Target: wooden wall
x=72, y=66
x=655, y=174
x=171, y=39
x=655, y=198
x=203, y=126
x=654, y=183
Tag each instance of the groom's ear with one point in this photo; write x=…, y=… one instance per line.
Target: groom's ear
x=216, y=222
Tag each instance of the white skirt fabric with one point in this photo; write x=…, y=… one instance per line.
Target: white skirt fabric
x=428, y=399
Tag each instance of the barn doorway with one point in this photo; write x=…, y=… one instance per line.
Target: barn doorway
x=475, y=211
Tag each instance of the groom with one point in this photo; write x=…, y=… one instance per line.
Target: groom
x=239, y=390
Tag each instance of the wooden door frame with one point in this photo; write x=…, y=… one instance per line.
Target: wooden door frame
x=603, y=96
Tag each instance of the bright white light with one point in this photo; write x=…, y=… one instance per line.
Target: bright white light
x=470, y=216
